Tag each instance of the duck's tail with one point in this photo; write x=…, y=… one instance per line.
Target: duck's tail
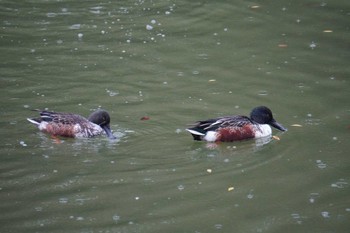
x=35, y=121
x=195, y=134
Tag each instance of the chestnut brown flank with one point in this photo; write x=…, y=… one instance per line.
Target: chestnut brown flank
x=63, y=130
x=230, y=134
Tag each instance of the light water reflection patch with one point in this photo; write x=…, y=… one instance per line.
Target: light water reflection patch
x=313, y=197
x=321, y=164
x=340, y=184
x=298, y=218
x=325, y=214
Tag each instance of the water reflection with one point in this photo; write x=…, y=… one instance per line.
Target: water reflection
x=93, y=145
x=248, y=146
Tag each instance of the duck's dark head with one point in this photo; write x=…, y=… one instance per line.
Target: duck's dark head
x=102, y=118
x=263, y=115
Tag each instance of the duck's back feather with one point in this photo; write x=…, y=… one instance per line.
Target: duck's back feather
x=62, y=118
x=221, y=122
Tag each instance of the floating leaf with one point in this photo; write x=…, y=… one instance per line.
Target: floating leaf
x=296, y=125
x=230, y=188
x=145, y=118
x=276, y=138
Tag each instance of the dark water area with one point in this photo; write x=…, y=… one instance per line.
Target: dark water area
x=157, y=66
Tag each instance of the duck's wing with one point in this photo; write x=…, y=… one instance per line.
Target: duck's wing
x=221, y=122
x=61, y=117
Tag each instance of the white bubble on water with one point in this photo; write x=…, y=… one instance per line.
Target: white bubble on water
x=263, y=92
x=63, y=200
x=149, y=27
x=296, y=217
x=112, y=93
x=325, y=214
x=341, y=183
x=39, y=208
x=313, y=197
x=180, y=73
x=312, y=45
x=116, y=218
x=180, y=187
x=22, y=143
x=75, y=26
x=51, y=14
x=321, y=164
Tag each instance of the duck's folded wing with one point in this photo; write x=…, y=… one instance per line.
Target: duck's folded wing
x=61, y=118
x=225, y=122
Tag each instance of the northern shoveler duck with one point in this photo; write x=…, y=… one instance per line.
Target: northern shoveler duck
x=73, y=125
x=234, y=128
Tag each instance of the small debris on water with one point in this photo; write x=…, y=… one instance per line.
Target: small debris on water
x=145, y=118
x=255, y=7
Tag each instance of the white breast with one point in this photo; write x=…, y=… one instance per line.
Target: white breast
x=263, y=131
x=210, y=136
